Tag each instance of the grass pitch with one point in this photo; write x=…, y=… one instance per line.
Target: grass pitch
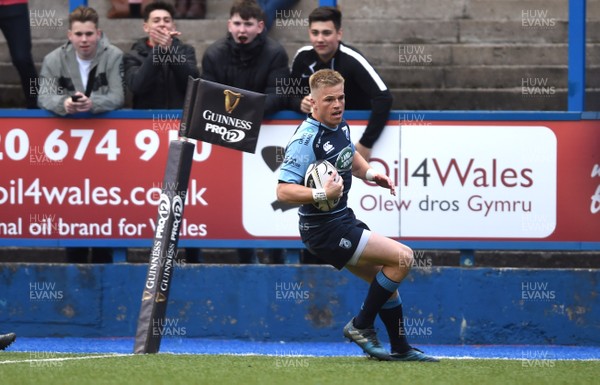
x=55, y=368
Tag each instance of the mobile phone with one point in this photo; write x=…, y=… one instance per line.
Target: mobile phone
x=75, y=97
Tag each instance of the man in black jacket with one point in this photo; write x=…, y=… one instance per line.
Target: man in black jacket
x=158, y=66
x=246, y=58
x=363, y=87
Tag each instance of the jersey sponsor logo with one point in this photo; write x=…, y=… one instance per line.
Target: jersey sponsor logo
x=344, y=159
x=328, y=147
x=306, y=137
x=292, y=161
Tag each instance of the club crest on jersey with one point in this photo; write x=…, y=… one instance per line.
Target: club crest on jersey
x=346, y=132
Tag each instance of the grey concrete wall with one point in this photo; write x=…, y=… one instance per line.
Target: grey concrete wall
x=434, y=54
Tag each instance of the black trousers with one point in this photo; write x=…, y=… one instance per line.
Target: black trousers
x=14, y=23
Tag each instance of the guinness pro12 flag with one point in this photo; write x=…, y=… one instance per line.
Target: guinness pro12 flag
x=151, y=321
x=213, y=113
x=222, y=115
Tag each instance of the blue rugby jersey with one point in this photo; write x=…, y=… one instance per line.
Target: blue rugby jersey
x=314, y=141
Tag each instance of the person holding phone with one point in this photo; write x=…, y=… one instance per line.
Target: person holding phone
x=86, y=73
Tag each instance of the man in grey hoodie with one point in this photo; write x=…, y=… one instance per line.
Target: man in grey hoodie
x=86, y=73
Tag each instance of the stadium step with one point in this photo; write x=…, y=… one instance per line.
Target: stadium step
x=432, y=55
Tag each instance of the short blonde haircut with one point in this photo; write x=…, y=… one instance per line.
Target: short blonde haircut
x=324, y=78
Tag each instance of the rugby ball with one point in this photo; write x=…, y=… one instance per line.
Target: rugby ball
x=317, y=175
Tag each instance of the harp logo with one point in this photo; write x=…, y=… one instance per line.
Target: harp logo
x=232, y=99
x=160, y=297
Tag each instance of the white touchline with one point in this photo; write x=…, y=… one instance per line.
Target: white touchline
x=65, y=358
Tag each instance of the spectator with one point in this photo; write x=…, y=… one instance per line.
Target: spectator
x=14, y=22
x=246, y=58
x=158, y=66
x=127, y=8
x=190, y=9
x=271, y=7
x=135, y=8
x=86, y=73
x=364, y=88
x=83, y=75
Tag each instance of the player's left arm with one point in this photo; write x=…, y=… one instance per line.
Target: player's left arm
x=362, y=170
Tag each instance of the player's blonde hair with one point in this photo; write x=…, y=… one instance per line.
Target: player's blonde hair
x=324, y=78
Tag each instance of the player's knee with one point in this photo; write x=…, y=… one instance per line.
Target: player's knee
x=405, y=258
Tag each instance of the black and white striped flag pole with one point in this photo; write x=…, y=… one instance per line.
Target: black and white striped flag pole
x=213, y=113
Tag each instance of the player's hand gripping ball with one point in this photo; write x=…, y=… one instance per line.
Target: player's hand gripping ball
x=317, y=175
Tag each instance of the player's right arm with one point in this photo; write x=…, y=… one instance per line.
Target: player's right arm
x=293, y=193
x=298, y=156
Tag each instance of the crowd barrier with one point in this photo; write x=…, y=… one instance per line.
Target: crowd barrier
x=467, y=181
x=442, y=305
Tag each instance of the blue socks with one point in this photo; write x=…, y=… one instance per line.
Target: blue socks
x=393, y=319
x=379, y=292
